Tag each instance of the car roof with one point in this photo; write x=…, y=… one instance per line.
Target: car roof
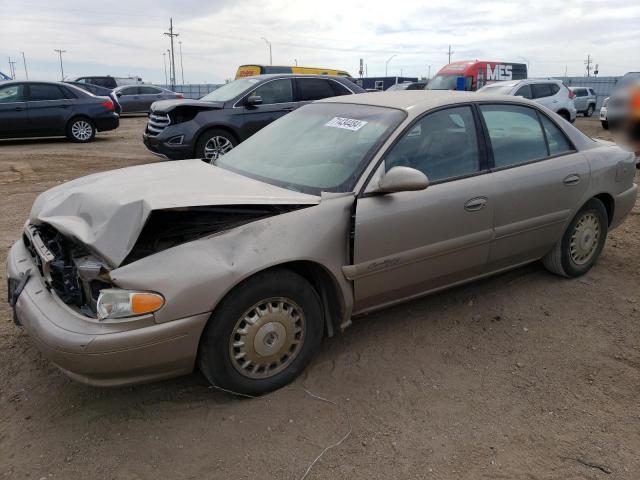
x=414, y=102
x=287, y=75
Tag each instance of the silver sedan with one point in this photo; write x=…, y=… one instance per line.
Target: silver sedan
x=343, y=207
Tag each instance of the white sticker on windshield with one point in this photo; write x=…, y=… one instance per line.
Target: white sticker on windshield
x=346, y=123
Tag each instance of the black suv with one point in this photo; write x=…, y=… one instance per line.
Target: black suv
x=210, y=127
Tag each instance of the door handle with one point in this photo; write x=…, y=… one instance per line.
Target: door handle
x=572, y=179
x=288, y=109
x=63, y=106
x=18, y=109
x=475, y=204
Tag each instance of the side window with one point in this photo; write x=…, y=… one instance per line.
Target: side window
x=310, y=89
x=581, y=92
x=524, y=91
x=554, y=87
x=130, y=91
x=556, y=139
x=278, y=91
x=515, y=134
x=339, y=89
x=150, y=91
x=541, y=90
x=442, y=145
x=12, y=93
x=41, y=91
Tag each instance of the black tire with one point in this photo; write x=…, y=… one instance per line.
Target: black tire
x=564, y=114
x=81, y=130
x=605, y=124
x=560, y=260
x=208, y=136
x=589, y=111
x=218, y=354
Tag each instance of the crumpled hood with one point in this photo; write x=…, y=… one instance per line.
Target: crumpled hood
x=107, y=211
x=165, y=106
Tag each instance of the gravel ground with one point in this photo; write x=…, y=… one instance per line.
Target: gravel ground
x=521, y=376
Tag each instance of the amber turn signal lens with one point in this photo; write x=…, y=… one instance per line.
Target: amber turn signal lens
x=145, y=303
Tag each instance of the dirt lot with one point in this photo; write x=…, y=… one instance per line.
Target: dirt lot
x=522, y=376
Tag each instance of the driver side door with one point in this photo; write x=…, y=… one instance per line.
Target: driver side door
x=409, y=243
x=277, y=100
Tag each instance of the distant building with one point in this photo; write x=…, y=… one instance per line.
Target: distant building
x=382, y=83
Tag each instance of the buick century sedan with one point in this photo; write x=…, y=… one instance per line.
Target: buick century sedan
x=347, y=205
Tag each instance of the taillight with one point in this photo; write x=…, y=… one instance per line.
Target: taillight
x=571, y=94
x=108, y=104
x=180, y=95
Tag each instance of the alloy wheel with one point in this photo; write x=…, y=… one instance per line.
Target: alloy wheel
x=81, y=130
x=216, y=147
x=584, y=239
x=267, y=338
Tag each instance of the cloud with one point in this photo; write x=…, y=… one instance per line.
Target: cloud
x=217, y=36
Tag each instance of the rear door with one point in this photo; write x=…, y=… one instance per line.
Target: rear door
x=580, y=100
x=148, y=95
x=408, y=243
x=129, y=99
x=49, y=109
x=13, y=110
x=543, y=94
x=539, y=178
x=277, y=100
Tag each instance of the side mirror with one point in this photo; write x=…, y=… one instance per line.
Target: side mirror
x=253, y=100
x=119, y=94
x=402, y=179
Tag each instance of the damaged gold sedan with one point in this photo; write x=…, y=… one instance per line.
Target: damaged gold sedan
x=342, y=207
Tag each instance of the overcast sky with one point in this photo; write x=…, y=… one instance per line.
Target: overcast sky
x=125, y=37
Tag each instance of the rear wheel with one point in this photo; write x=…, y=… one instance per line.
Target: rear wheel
x=581, y=243
x=589, y=111
x=80, y=130
x=214, y=143
x=564, y=114
x=605, y=124
x=263, y=334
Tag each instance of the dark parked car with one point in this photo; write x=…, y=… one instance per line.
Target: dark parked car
x=138, y=98
x=47, y=109
x=210, y=127
x=100, y=92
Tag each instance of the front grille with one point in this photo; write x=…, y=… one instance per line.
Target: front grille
x=157, y=123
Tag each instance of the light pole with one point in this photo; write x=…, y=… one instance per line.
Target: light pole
x=386, y=65
x=164, y=59
x=60, y=52
x=24, y=62
x=181, y=66
x=527, y=62
x=270, y=55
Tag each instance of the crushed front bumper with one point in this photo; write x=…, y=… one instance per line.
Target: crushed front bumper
x=100, y=353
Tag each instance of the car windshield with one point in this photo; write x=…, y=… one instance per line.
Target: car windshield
x=497, y=89
x=319, y=147
x=230, y=90
x=443, y=82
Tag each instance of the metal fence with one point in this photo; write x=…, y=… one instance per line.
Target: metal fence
x=603, y=86
x=192, y=90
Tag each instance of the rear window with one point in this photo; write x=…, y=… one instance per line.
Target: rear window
x=310, y=89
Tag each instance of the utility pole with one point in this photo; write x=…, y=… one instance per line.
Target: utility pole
x=164, y=58
x=450, y=52
x=386, y=65
x=13, y=77
x=181, y=66
x=270, y=54
x=588, y=63
x=60, y=52
x=24, y=62
x=12, y=64
x=172, y=58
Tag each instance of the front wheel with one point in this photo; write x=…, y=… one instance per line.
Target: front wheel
x=605, y=124
x=263, y=334
x=214, y=143
x=80, y=130
x=581, y=243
